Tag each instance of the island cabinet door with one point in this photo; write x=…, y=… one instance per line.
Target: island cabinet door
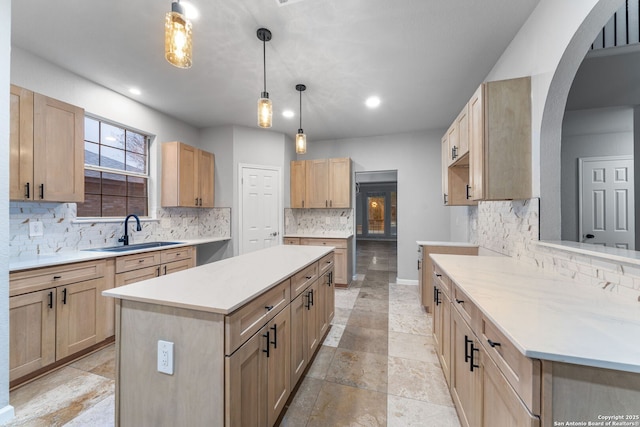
x=246, y=383
x=278, y=365
x=299, y=346
x=78, y=314
x=312, y=313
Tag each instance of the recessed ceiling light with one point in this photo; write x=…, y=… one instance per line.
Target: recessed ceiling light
x=288, y=114
x=135, y=91
x=372, y=102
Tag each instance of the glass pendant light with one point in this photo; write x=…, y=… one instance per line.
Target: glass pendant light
x=177, y=37
x=301, y=138
x=265, y=109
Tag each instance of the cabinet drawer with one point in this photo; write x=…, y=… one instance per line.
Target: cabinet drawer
x=291, y=240
x=520, y=371
x=325, y=263
x=137, y=261
x=303, y=279
x=34, y=280
x=175, y=266
x=465, y=306
x=248, y=319
x=177, y=254
x=441, y=280
x=338, y=243
x=138, y=275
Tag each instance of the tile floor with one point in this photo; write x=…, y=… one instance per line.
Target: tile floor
x=377, y=366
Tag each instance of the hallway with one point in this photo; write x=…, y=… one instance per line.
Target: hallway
x=377, y=366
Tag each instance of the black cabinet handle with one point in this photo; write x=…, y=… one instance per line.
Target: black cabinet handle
x=436, y=295
x=445, y=198
x=165, y=269
x=268, y=342
x=57, y=277
x=493, y=343
x=438, y=275
x=454, y=152
x=27, y=192
x=308, y=277
x=158, y=271
x=42, y=191
x=269, y=307
x=51, y=299
x=308, y=304
x=467, y=341
x=196, y=201
x=311, y=298
x=472, y=364
x=303, y=203
x=64, y=296
x=459, y=301
x=275, y=335
x=418, y=265
x=326, y=203
x=468, y=187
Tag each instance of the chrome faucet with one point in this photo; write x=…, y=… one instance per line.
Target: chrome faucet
x=125, y=238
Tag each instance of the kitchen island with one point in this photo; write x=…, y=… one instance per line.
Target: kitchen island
x=240, y=333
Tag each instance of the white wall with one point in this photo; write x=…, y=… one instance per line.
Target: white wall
x=590, y=133
x=416, y=157
x=6, y=411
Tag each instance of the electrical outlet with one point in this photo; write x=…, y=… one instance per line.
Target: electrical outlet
x=35, y=229
x=165, y=357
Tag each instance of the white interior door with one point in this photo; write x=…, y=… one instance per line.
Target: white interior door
x=607, y=201
x=260, y=207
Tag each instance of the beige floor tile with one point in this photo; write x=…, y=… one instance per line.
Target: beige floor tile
x=334, y=336
x=415, y=379
x=365, y=340
x=341, y=316
x=321, y=362
x=367, y=319
x=298, y=411
x=340, y=406
x=411, y=346
x=379, y=306
x=358, y=369
x=410, y=324
x=102, y=362
x=102, y=415
x=403, y=412
x=411, y=308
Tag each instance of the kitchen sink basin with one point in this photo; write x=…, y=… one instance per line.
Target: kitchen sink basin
x=134, y=247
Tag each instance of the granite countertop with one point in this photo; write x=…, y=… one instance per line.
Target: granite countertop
x=46, y=260
x=435, y=243
x=223, y=286
x=549, y=317
x=329, y=235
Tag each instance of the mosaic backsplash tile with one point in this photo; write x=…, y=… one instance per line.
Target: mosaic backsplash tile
x=63, y=233
x=318, y=221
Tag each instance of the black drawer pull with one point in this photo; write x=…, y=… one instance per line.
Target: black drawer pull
x=493, y=343
x=268, y=342
x=64, y=296
x=42, y=191
x=471, y=364
x=57, y=277
x=269, y=307
x=27, y=192
x=467, y=341
x=51, y=299
x=308, y=277
x=459, y=301
x=436, y=295
x=140, y=260
x=275, y=335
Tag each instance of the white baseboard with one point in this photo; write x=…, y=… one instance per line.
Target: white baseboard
x=400, y=281
x=6, y=414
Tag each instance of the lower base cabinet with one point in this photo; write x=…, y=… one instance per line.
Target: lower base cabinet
x=343, y=271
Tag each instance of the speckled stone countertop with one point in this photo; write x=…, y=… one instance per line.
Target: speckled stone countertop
x=47, y=260
x=223, y=286
x=549, y=317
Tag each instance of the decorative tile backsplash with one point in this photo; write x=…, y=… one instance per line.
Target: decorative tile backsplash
x=318, y=221
x=63, y=233
x=512, y=228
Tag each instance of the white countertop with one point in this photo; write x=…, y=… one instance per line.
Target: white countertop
x=329, y=235
x=46, y=260
x=223, y=286
x=549, y=317
x=599, y=251
x=434, y=243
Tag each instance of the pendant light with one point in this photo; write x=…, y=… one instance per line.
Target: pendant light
x=265, y=109
x=177, y=37
x=301, y=138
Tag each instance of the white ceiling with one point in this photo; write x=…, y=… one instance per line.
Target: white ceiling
x=423, y=58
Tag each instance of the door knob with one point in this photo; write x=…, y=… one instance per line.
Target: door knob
x=274, y=234
x=589, y=236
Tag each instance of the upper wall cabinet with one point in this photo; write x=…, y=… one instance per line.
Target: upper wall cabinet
x=47, y=148
x=321, y=183
x=500, y=140
x=487, y=150
x=187, y=176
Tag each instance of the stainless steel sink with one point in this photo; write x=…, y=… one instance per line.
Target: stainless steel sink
x=134, y=247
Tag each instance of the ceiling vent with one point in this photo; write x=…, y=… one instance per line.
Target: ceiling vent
x=287, y=2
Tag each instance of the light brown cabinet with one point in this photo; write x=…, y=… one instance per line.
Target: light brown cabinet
x=500, y=140
x=47, y=148
x=343, y=264
x=55, y=312
x=442, y=322
x=458, y=138
x=147, y=265
x=187, y=176
x=325, y=183
x=455, y=163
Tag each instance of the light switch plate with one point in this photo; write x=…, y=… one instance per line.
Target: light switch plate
x=35, y=229
x=165, y=357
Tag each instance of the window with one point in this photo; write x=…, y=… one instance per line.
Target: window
x=116, y=173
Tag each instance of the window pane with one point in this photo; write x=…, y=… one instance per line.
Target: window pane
x=136, y=162
x=114, y=184
x=91, y=154
x=112, y=136
x=114, y=206
x=137, y=205
x=137, y=187
x=92, y=182
x=91, y=205
x=136, y=143
x=91, y=129
x=111, y=158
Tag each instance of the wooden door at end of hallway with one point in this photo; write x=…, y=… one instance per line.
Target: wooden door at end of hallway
x=260, y=208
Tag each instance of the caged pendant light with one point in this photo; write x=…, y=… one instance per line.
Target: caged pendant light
x=177, y=37
x=265, y=109
x=301, y=138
